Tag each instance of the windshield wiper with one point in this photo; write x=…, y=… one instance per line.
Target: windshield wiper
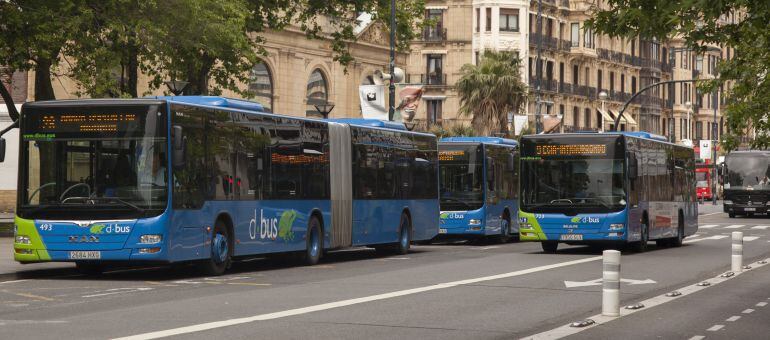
x=457, y=200
x=107, y=199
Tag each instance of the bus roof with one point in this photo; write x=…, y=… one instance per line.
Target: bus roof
x=636, y=134
x=369, y=123
x=216, y=102
x=484, y=140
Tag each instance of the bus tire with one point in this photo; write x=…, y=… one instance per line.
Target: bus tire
x=731, y=214
x=221, y=251
x=549, y=246
x=641, y=245
x=89, y=268
x=679, y=239
x=505, y=229
x=314, y=242
x=404, y=235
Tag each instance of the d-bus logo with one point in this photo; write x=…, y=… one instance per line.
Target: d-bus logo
x=452, y=216
x=273, y=228
x=584, y=220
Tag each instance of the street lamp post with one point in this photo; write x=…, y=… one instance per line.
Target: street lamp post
x=537, y=64
x=714, y=146
x=324, y=109
x=392, y=66
x=177, y=87
x=603, y=96
x=688, y=106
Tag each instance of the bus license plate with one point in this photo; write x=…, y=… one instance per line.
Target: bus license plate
x=571, y=237
x=441, y=231
x=749, y=209
x=85, y=255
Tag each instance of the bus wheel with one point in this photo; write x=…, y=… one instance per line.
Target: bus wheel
x=89, y=268
x=731, y=214
x=641, y=246
x=404, y=236
x=314, y=240
x=221, y=251
x=505, y=230
x=549, y=246
x=677, y=241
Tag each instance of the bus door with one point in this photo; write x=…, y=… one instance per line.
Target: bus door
x=634, y=172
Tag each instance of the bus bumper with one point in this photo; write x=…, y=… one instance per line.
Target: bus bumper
x=744, y=208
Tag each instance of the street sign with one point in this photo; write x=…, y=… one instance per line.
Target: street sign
x=705, y=149
x=598, y=282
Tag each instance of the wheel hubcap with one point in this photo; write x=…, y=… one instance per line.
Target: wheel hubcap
x=220, y=248
x=314, y=243
x=404, y=235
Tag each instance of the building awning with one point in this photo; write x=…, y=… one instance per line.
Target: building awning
x=433, y=97
x=433, y=52
x=626, y=117
x=436, y=7
x=607, y=117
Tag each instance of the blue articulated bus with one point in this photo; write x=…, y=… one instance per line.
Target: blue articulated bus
x=618, y=188
x=478, y=185
x=212, y=179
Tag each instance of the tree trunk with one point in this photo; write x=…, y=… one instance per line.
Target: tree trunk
x=43, y=86
x=133, y=71
x=199, y=77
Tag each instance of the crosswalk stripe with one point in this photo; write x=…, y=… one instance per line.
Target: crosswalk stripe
x=762, y=227
x=715, y=237
x=735, y=226
x=708, y=226
x=749, y=238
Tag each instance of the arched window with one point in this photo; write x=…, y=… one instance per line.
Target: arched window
x=261, y=84
x=317, y=92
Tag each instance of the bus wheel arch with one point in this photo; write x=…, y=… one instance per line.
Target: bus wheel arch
x=314, y=239
x=644, y=228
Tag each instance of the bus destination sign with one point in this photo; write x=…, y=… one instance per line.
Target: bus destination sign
x=554, y=150
x=451, y=155
x=102, y=122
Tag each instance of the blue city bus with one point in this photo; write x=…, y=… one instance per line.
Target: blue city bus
x=620, y=188
x=478, y=186
x=213, y=179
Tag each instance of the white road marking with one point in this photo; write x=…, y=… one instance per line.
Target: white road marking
x=748, y=311
x=14, y=281
x=715, y=237
x=711, y=214
x=697, y=337
x=488, y=248
x=29, y=322
x=733, y=318
x=708, y=226
x=349, y=302
x=761, y=304
x=715, y=328
x=114, y=291
x=598, y=282
x=749, y=238
x=761, y=227
x=735, y=226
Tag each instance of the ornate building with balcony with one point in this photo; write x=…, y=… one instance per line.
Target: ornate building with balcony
x=583, y=78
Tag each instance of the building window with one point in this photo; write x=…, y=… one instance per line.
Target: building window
x=623, y=83
x=489, y=19
x=588, y=38
x=575, y=34
x=261, y=85
x=575, y=75
x=612, y=82
x=575, y=116
x=433, y=70
x=317, y=92
x=436, y=32
x=599, y=81
x=434, y=111
x=587, y=117
x=478, y=18
x=633, y=85
x=698, y=130
x=476, y=55
x=699, y=63
x=509, y=20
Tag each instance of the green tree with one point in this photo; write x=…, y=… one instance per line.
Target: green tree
x=490, y=90
x=739, y=24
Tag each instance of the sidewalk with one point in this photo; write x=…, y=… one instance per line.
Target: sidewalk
x=709, y=208
x=10, y=268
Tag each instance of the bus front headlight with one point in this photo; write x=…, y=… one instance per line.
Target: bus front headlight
x=150, y=239
x=617, y=226
x=728, y=202
x=474, y=221
x=22, y=239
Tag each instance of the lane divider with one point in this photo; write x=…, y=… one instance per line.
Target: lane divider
x=349, y=302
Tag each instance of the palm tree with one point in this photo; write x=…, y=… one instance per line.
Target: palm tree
x=491, y=89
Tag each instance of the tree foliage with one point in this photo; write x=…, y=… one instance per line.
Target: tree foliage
x=740, y=24
x=490, y=90
x=213, y=44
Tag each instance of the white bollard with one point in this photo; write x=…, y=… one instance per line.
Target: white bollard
x=737, y=257
x=611, y=283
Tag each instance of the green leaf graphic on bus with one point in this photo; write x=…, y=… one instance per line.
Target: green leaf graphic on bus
x=97, y=229
x=285, y=224
x=575, y=220
x=444, y=215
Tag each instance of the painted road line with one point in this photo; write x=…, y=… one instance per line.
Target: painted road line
x=567, y=330
x=709, y=214
x=761, y=304
x=349, y=302
x=750, y=238
x=488, y=248
x=114, y=291
x=715, y=328
x=733, y=318
x=31, y=296
x=748, y=311
x=760, y=227
x=697, y=337
x=715, y=237
x=735, y=226
x=14, y=281
x=708, y=226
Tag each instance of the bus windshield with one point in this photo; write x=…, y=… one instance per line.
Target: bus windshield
x=93, y=162
x=747, y=171
x=574, y=174
x=701, y=179
x=461, y=177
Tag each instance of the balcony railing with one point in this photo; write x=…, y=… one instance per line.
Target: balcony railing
x=430, y=79
x=573, y=128
x=434, y=34
x=550, y=85
x=549, y=43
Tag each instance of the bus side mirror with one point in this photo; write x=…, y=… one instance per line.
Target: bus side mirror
x=179, y=147
x=633, y=168
x=2, y=149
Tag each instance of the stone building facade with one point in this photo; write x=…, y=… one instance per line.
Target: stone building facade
x=577, y=68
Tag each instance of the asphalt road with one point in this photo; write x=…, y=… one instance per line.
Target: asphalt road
x=486, y=291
